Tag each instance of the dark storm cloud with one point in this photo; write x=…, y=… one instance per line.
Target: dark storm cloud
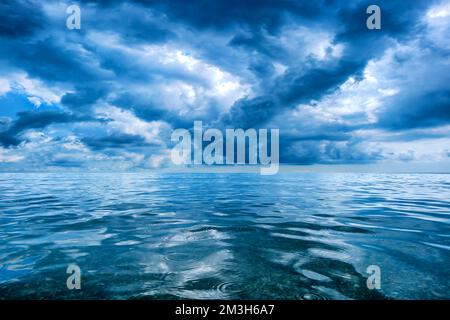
x=84, y=97
x=34, y=120
x=104, y=63
x=313, y=80
x=116, y=141
x=136, y=23
x=310, y=142
x=57, y=62
x=399, y=19
x=407, y=112
x=19, y=18
x=53, y=60
x=318, y=132
x=141, y=105
x=295, y=87
x=221, y=15
x=328, y=152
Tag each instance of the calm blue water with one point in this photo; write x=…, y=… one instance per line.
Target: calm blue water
x=205, y=236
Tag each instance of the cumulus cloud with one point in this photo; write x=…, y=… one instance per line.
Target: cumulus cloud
x=110, y=93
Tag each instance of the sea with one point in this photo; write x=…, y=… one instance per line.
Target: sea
x=150, y=235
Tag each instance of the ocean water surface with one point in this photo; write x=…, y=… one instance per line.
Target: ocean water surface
x=224, y=236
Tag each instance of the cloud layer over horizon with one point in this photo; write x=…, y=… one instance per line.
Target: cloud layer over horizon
x=109, y=95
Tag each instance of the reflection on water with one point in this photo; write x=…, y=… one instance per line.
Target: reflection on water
x=224, y=236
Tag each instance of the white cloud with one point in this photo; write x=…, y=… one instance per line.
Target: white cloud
x=437, y=23
x=9, y=156
x=35, y=90
x=440, y=11
x=185, y=84
x=4, y=86
x=124, y=121
x=300, y=42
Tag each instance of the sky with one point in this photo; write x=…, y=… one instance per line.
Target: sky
x=108, y=96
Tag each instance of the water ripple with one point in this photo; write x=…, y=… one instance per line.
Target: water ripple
x=219, y=236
